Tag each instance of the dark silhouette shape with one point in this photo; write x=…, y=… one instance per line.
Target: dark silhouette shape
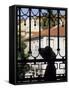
x=48, y=54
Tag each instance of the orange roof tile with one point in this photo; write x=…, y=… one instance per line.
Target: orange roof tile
x=45, y=32
x=53, y=32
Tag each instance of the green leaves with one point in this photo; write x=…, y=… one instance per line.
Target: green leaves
x=23, y=47
x=45, y=21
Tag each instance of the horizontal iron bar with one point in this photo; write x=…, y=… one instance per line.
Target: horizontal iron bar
x=40, y=60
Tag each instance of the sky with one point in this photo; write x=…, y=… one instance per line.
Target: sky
x=25, y=12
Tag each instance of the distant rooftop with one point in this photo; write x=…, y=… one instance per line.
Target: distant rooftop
x=45, y=33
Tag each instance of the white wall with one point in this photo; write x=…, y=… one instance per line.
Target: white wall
x=4, y=38
x=54, y=44
x=33, y=28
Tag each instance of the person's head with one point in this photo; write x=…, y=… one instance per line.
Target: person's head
x=47, y=53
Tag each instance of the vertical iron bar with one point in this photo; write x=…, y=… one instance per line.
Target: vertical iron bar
x=66, y=34
x=39, y=28
x=66, y=44
x=49, y=28
x=58, y=31
x=16, y=44
x=19, y=30
x=17, y=37
x=29, y=30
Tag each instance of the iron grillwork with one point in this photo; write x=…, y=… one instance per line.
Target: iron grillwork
x=41, y=44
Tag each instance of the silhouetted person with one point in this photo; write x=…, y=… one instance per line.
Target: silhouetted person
x=48, y=54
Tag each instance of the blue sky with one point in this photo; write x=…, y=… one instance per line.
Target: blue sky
x=36, y=12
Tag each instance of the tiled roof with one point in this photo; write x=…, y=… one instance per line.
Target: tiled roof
x=45, y=32
x=53, y=32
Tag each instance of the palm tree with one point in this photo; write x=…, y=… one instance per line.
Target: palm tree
x=45, y=20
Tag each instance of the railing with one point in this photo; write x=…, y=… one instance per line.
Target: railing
x=52, y=17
